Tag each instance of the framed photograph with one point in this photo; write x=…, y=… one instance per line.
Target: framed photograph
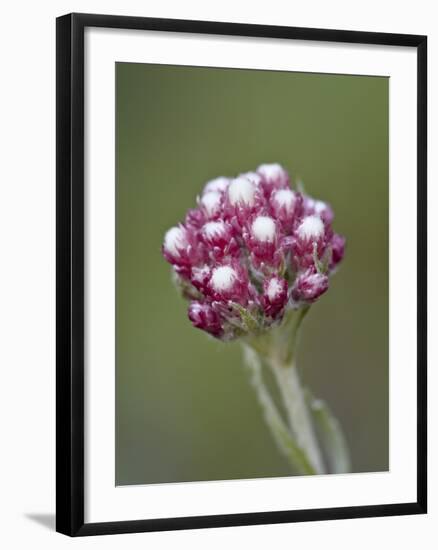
x=241, y=274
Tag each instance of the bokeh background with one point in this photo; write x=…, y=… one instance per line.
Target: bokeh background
x=184, y=408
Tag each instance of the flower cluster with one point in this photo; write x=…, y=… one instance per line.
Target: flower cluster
x=252, y=249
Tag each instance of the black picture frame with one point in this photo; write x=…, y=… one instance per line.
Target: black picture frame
x=70, y=273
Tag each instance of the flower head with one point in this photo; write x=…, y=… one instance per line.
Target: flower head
x=251, y=250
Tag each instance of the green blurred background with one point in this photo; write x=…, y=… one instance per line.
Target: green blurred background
x=184, y=408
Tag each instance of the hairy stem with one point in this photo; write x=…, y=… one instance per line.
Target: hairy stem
x=286, y=443
x=300, y=420
x=309, y=435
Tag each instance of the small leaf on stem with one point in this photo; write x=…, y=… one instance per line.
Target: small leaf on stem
x=330, y=435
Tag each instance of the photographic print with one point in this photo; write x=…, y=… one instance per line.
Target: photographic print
x=241, y=332
x=251, y=274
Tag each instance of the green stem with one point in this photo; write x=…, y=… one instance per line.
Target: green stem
x=311, y=438
x=299, y=418
x=330, y=434
x=279, y=430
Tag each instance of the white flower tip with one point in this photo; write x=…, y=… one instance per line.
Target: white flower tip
x=253, y=177
x=200, y=273
x=311, y=228
x=319, y=206
x=263, y=229
x=242, y=190
x=214, y=229
x=175, y=239
x=270, y=171
x=211, y=202
x=218, y=184
x=313, y=279
x=274, y=289
x=223, y=278
x=195, y=307
x=310, y=203
x=285, y=198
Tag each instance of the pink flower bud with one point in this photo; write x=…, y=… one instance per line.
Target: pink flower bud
x=199, y=277
x=211, y=204
x=310, y=239
x=274, y=297
x=181, y=249
x=229, y=282
x=218, y=236
x=176, y=242
x=286, y=206
x=313, y=207
x=273, y=177
x=195, y=218
x=338, y=248
x=253, y=177
x=310, y=229
x=219, y=184
x=309, y=286
x=217, y=233
x=242, y=192
x=242, y=200
x=261, y=238
x=205, y=318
